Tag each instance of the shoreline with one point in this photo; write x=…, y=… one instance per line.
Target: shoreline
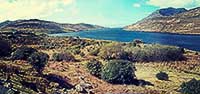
x=171, y=33
x=101, y=40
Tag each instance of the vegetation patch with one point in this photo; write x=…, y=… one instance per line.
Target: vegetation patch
x=38, y=60
x=155, y=52
x=5, y=48
x=119, y=72
x=162, y=76
x=113, y=51
x=22, y=53
x=190, y=87
x=94, y=67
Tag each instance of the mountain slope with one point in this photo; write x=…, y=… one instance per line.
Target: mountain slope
x=178, y=21
x=41, y=26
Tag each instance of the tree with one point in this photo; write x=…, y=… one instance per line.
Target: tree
x=38, y=60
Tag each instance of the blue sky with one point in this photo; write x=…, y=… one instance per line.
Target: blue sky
x=111, y=13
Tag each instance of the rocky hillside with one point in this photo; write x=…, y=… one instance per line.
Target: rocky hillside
x=170, y=20
x=35, y=25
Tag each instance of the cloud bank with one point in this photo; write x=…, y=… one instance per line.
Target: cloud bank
x=26, y=9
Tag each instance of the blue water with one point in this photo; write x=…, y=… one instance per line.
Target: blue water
x=191, y=42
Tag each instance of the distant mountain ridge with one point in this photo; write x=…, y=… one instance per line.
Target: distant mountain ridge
x=42, y=26
x=167, y=12
x=171, y=20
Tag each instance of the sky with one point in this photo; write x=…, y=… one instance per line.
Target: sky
x=109, y=13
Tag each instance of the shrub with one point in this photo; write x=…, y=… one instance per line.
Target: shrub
x=22, y=53
x=190, y=87
x=94, y=67
x=113, y=51
x=162, y=76
x=5, y=48
x=63, y=57
x=118, y=72
x=38, y=60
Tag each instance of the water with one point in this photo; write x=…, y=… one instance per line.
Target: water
x=191, y=42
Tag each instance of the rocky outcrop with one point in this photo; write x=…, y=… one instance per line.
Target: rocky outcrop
x=170, y=20
x=41, y=26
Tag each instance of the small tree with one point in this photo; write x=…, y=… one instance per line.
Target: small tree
x=190, y=87
x=38, y=60
x=94, y=67
x=118, y=72
x=22, y=53
x=162, y=76
x=5, y=48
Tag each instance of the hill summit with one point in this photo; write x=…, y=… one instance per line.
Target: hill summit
x=42, y=26
x=170, y=20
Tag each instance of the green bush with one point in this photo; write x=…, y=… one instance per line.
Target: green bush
x=5, y=48
x=162, y=76
x=94, y=67
x=38, y=60
x=156, y=53
x=63, y=57
x=22, y=53
x=118, y=72
x=190, y=87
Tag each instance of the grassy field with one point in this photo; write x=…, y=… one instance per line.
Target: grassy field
x=75, y=72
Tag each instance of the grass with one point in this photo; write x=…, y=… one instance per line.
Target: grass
x=148, y=71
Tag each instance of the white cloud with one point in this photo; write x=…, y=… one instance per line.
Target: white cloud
x=174, y=3
x=136, y=5
x=25, y=9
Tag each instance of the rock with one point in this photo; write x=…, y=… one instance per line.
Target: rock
x=83, y=86
x=80, y=89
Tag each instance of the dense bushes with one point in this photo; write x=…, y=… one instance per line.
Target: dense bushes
x=5, y=48
x=191, y=87
x=63, y=57
x=94, y=67
x=156, y=53
x=162, y=76
x=38, y=60
x=118, y=72
x=142, y=53
x=22, y=53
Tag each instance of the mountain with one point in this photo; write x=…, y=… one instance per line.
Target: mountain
x=166, y=12
x=170, y=20
x=42, y=26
